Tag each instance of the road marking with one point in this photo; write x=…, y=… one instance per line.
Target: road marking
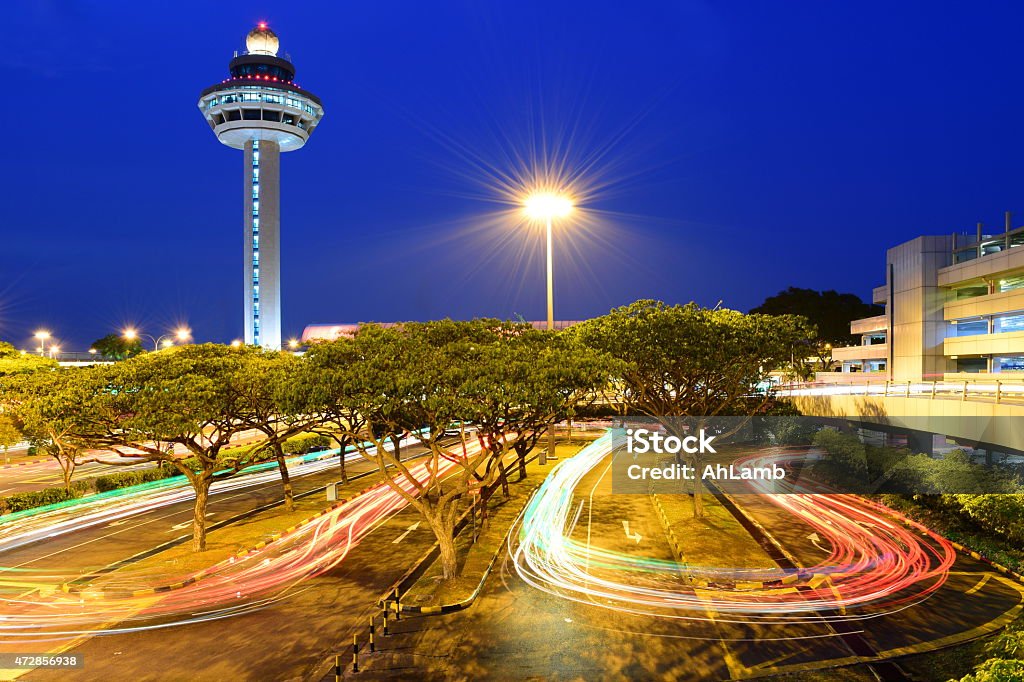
x=813, y=537
x=187, y=524
x=407, y=531
x=981, y=583
x=634, y=536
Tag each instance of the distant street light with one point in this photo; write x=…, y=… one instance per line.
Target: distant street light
x=182, y=334
x=54, y=350
x=236, y=344
x=545, y=206
x=293, y=344
x=42, y=335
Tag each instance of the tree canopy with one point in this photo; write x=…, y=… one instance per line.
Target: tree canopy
x=685, y=360
x=117, y=347
x=829, y=311
x=14, y=361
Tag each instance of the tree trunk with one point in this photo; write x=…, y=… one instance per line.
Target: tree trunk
x=698, y=502
x=397, y=442
x=202, y=485
x=521, y=452
x=444, y=533
x=286, y=481
x=503, y=477
x=342, y=444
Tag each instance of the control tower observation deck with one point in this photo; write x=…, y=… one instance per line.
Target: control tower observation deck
x=262, y=111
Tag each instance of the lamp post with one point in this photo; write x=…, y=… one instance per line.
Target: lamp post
x=545, y=206
x=182, y=334
x=42, y=336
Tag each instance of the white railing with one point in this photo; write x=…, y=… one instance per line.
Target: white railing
x=985, y=390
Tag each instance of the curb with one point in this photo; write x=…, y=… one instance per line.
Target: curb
x=21, y=464
x=907, y=521
x=673, y=541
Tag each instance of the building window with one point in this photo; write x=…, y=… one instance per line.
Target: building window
x=1009, y=364
x=970, y=292
x=972, y=328
x=971, y=365
x=1011, y=283
x=1010, y=323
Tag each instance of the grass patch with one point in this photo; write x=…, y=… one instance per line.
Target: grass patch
x=717, y=539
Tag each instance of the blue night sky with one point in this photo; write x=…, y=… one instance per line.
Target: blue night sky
x=734, y=148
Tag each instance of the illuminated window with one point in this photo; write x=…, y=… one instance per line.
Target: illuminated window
x=1010, y=323
x=1011, y=283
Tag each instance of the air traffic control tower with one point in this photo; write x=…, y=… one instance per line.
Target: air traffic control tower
x=262, y=111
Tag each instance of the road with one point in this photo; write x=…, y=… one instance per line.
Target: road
x=602, y=618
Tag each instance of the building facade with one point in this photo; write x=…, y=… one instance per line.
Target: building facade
x=260, y=110
x=954, y=310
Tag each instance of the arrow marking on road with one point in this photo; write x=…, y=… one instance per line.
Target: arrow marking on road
x=185, y=524
x=407, y=531
x=634, y=536
x=813, y=537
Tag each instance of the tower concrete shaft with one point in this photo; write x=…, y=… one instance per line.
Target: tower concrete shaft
x=262, y=235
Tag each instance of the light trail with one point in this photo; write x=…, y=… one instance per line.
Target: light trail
x=33, y=525
x=873, y=561
x=230, y=588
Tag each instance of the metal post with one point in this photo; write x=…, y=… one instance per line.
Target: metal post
x=385, y=622
x=551, y=284
x=999, y=391
x=372, y=649
x=934, y=384
x=963, y=396
x=908, y=389
x=337, y=667
x=551, y=327
x=1009, y=223
x=355, y=653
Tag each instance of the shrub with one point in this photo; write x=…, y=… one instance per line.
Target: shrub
x=306, y=442
x=40, y=498
x=125, y=479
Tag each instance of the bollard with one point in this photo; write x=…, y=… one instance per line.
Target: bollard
x=385, y=622
x=398, y=606
x=337, y=667
x=355, y=653
x=372, y=649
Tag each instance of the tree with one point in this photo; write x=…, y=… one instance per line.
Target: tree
x=184, y=396
x=829, y=311
x=259, y=386
x=14, y=361
x=47, y=408
x=320, y=387
x=9, y=432
x=117, y=347
x=525, y=382
x=689, y=361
